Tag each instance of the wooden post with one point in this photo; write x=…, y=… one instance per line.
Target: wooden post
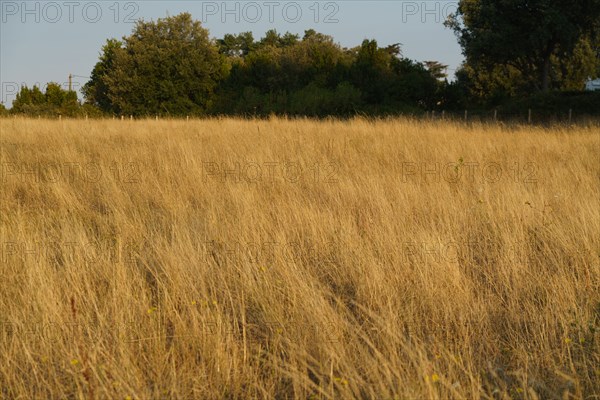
x=495, y=115
x=432, y=114
x=187, y=118
x=86, y=117
x=443, y=114
x=60, y=117
x=570, y=115
x=157, y=117
x=466, y=114
x=529, y=117
x=122, y=117
x=131, y=117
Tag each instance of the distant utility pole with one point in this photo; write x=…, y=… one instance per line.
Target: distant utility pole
x=71, y=76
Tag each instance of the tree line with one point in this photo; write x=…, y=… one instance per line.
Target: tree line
x=538, y=50
x=172, y=67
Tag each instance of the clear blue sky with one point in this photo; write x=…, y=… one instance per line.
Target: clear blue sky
x=44, y=41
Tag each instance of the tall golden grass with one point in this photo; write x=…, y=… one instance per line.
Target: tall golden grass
x=225, y=258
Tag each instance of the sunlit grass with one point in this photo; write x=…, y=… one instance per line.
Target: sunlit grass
x=298, y=259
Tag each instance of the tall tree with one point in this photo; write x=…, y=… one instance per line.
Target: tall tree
x=169, y=66
x=95, y=90
x=522, y=34
x=371, y=71
x=236, y=45
x=437, y=69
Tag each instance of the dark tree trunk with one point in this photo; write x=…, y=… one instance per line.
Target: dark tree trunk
x=546, y=66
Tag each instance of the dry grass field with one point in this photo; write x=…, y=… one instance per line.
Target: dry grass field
x=276, y=259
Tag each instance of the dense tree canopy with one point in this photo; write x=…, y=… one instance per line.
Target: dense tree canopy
x=513, y=49
x=518, y=46
x=96, y=89
x=55, y=101
x=172, y=67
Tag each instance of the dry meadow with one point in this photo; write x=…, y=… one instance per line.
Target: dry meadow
x=300, y=259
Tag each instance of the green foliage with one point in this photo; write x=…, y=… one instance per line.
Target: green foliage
x=347, y=99
x=167, y=67
x=274, y=39
x=316, y=101
x=237, y=45
x=371, y=72
x=490, y=87
x=437, y=69
x=3, y=110
x=518, y=46
x=96, y=90
x=414, y=85
x=172, y=67
x=314, y=76
x=573, y=71
x=554, y=104
x=28, y=98
x=54, y=102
